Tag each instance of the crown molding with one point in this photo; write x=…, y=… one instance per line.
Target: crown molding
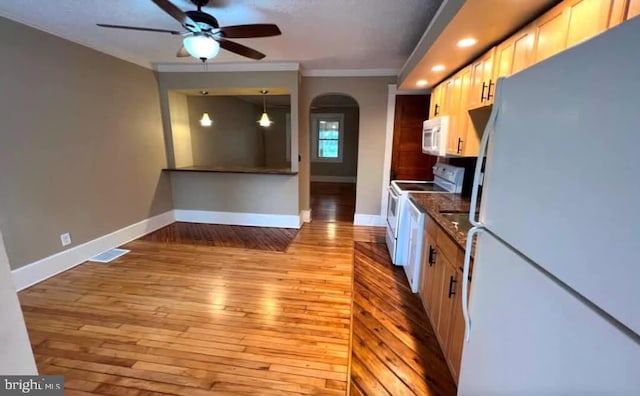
x=85, y=43
x=226, y=67
x=350, y=72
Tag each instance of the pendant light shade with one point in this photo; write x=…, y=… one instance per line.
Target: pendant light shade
x=201, y=46
x=264, y=120
x=205, y=121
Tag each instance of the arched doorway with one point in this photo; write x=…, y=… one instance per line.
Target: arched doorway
x=333, y=133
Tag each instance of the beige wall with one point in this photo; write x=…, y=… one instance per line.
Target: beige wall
x=275, y=139
x=371, y=95
x=233, y=192
x=349, y=165
x=81, y=144
x=233, y=139
x=181, y=129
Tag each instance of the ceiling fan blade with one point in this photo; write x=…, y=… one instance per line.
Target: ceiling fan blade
x=139, y=28
x=249, y=31
x=240, y=49
x=177, y=14
x=182, y=53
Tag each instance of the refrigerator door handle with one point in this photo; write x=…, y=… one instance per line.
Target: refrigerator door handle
x=465, y=282
x=481, y=155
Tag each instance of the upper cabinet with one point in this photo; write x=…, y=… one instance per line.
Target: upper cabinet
x=633, y=9
x=551, y=34
x=482, y=87
x=457, y=111
x=574, y=21
x=466, y=96
x=515, y=53
x=435, y=103
x=587, y=18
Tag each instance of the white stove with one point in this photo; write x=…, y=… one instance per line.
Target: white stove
x=447, y=179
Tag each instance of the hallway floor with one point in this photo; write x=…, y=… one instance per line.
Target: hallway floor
x=334, y=202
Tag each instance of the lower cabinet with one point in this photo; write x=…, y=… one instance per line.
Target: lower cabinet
x=441, y=294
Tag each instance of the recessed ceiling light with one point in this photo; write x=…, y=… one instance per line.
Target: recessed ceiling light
x=437, y=68
x=422, y=83
x=467, y=42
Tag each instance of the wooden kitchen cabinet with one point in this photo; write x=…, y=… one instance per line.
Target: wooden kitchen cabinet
x=451, y=97
x=435, y=104
x=633, y=9
x=456, y=331
x=434, y=294
x=459, y=117
x=427, y=276
x=428, y=261
x=551, y=33
x=515, y=53
x=482, y=89
x=450, y=279
x=618, y=12
x=586, y=18
x=441, y=292
x=504, y=59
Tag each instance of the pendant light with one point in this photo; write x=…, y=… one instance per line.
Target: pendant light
x=264, y=119
x=205, y=120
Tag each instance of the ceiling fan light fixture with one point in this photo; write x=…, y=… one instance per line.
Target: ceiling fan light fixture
x=206, y=121
x=201, y=46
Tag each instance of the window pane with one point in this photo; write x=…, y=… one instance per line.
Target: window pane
x=328, y=149
x=329, y=134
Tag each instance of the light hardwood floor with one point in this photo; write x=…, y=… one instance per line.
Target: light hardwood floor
x=395, y=350
x=196, y=320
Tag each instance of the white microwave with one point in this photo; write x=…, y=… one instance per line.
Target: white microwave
x=434, y=136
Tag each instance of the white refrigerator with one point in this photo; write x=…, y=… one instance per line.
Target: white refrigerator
x=554, y=303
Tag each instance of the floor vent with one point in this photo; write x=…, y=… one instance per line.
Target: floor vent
x=109, y=255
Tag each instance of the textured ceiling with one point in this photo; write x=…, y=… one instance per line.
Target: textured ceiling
x=320, y=34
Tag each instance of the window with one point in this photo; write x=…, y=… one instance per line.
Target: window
x=327, y=137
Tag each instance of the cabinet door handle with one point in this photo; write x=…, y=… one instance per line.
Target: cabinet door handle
x=489, y=95
x=459, y=144
x=482, y=98
x=436, y=110
x=452, y=281
x=432, y=256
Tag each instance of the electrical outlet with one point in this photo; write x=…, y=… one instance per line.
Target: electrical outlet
x=65, y=239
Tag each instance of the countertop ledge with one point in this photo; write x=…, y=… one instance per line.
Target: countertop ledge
x=234, y=169
x=434, y=204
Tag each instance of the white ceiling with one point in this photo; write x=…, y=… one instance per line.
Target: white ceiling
x=319, y=34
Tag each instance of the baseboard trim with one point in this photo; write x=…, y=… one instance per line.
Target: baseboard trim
x=333, y=179
x=305, y=216
x=369, y=220
x=235, y=218
x=47, y=267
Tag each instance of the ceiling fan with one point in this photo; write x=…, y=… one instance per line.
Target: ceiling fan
x=204, y=36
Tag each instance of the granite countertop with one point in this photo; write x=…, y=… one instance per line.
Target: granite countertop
x=234, y=169
x=434, y=204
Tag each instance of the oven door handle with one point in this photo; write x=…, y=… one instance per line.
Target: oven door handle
x=393, y=193
x=392, y=197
